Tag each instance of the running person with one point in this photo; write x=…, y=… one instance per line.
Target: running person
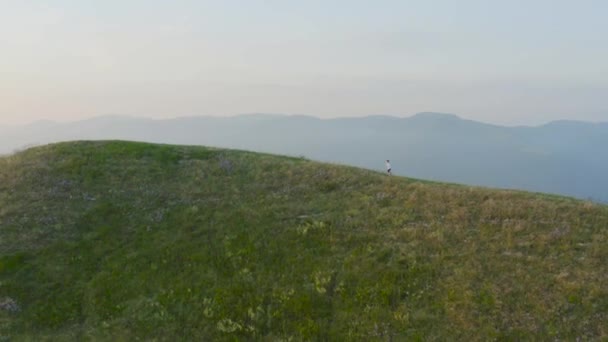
x=388, y=167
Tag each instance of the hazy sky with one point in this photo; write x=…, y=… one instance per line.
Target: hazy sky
x=513, y=62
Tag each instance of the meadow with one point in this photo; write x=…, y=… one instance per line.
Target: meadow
x=126, y=241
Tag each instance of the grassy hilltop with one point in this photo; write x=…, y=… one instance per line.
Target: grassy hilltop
x=121, y=241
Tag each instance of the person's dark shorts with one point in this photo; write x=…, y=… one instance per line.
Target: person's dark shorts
x=389, y=170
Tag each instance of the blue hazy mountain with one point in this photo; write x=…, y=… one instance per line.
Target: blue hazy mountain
x=562, y=157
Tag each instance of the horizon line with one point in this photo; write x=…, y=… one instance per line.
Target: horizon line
x=232, y=116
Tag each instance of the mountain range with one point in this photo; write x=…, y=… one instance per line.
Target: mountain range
x=561, y=157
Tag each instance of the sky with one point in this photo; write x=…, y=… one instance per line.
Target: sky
x=506, y=62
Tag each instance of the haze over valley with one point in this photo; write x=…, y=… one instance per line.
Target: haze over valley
x=561, y=157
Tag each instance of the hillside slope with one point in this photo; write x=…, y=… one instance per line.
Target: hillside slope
x=118, y=241
x=566, y=158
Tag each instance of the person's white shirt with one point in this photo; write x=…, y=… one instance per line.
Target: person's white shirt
x=388, y=165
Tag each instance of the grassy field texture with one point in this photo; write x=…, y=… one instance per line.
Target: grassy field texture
x=124, y=241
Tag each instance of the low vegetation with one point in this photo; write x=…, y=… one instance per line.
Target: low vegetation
x=124, y=241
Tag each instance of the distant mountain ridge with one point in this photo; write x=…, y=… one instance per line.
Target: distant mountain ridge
x=562, y=157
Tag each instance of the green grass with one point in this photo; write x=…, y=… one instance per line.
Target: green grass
x=123, y=241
